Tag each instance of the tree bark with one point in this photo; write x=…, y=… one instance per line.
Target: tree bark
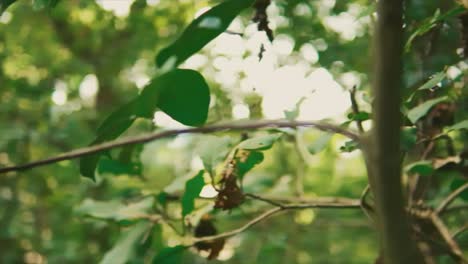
x=383, y=146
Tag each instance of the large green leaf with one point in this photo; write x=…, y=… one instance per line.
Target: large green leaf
x=4, y=4
x=170, y=255
x=260, y=143
x=202, y=30
x=421, y=110
x=193, y=188
x=124, y=249
x=181, y=93
x=115, y=210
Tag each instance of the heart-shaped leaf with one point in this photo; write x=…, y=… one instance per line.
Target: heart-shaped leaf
x=202, y=30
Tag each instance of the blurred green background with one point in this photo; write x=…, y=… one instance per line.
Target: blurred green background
x=64, y=69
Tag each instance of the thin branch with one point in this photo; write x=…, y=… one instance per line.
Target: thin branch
x=460, y=231
x=265, y=216
x=355, y=108
x=445, y=203
x=443, y=231
x=168, y=133
x=319, y=202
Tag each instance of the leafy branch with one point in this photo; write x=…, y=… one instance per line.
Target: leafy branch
x=81, y=152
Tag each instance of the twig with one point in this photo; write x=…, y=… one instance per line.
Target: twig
x=266, y=215
x=445, y=203
x=460, y=231
x=168, y=133
x=355, y=108
x=443, y=231
x=319, y=202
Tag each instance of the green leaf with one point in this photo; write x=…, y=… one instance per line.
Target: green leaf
x=457, y=183
x=115, y=210
x=40, y=4
x=433, y=81
x=361, y=116
x=213, y=150
x=421, y=110
x=408, y=138
x=431, y=22
x=294, y=113
x=460, y=125
x=349, y=146
x=260, y=143
x=202, y=30
x=170, y=255
x=193, y=188
x=124, y=249
x=253, y=158
x=320, y=143
x=4, y=4
x=423, y=168
x=116, y=167
x=182, y=94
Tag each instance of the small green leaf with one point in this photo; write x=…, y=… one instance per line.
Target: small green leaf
x=124, y=249
x=433, y=81
x=320, y=143
x=202, y=30
x=115, y=210
x=4, y=4
x=423, y=168
x=193, y=188
x=170, y=255
x=421, y=110
x=253, y=158
x=116, y=167
x=260, y=143
x=349, y=146
x=294, y=113
x=361, y=116
x=460, y=125
x=408, y=138
x=213, y=150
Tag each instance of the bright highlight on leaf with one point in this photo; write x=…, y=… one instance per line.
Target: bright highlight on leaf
x=202, y=30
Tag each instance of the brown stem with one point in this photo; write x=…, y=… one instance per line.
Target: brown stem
x=168, y=133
